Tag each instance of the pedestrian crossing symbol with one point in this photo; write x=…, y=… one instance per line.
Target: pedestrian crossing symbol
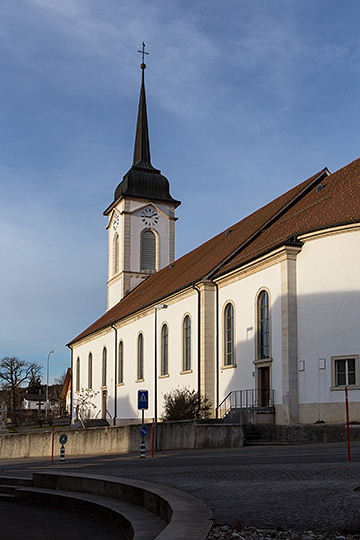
x=143, y=399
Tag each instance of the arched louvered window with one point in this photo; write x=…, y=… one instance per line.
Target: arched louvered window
x=120, y=373
x=263, y=325
x=140, y=358
x=104, y=367
x=186, y=344
x=164, y=350
x=229, y=356
x=90, y=369
x=77, y=385
x=116, y=254
x=148, y=251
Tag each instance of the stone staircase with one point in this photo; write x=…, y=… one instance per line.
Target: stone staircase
x=140, y=510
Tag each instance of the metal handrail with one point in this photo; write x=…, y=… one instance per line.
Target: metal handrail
x=250, y=398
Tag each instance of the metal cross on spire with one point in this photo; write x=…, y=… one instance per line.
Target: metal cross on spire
x=142, y=52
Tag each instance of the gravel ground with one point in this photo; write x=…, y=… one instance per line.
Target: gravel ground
x=225, y=532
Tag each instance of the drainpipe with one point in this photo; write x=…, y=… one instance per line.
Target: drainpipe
x=199, y=345
x=115, y=377
x=71, y=386
x=217, y=349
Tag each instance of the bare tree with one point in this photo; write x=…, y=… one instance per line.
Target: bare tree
x=14, y=373
x=84, y=405
x=60, y=379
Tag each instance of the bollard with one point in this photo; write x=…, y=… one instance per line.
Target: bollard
x=62, y=441
x=142, y=449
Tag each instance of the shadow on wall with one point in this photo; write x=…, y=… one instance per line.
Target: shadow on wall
x=327, y=328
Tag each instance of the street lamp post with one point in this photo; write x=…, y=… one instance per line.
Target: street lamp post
x=157, y=307
x=47, y=383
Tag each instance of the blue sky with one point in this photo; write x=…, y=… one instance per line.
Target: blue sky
x=246, y=98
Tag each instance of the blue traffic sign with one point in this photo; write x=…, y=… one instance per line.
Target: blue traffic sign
x=143, y=431
x=143, y=399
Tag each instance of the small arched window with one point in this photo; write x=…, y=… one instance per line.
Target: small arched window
x=164, y=350
x=77, y=384
x=186, y=344
x=121, y=363
x=140, y=358
x=263, y=325
x=229, y=356
x=148, y=251
x=90, y=368
x=116, y=254
x=104, y=367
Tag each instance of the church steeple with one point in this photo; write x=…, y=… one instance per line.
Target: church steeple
x=141, y=218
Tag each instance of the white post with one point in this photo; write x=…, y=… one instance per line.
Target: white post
x=47, y=384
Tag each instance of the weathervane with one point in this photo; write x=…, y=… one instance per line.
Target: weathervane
x=142, y=52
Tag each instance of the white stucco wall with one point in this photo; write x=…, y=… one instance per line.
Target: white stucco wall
x=328, y=312
x=243, y=294
x=128, y=332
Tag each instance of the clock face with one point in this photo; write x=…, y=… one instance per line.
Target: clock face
x=116, y=221
x=150, y=216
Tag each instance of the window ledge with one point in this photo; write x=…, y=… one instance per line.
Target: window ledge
x=120, y=384
x=342, y=388
x=166, y=376
x=265, y=361
x=229, y=366
x=186, y=371
x=139, y=380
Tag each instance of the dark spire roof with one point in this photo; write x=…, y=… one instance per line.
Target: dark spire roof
x=143, y=180
x=142, y=144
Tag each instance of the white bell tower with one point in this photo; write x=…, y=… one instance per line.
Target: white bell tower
x=141, y=219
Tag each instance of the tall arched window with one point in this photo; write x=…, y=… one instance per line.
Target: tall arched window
x=90, y=368
x=77, y=384
x=229, y=356
x=116, y=254
x=164, y=350
x=140, y=358
x=120, y=373
x=186, y=344
x=148, y=251
x=263, y=325
x=104, y=367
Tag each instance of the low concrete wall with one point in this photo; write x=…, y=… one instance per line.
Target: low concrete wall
x=121, y=439
x=309, y=433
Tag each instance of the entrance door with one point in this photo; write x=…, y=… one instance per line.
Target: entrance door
x=104, y=404
x=264, y=386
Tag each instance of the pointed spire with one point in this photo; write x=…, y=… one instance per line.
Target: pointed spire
x=142, y=179
x=142, y=144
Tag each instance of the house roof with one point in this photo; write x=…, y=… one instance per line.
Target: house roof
x=322, y=201
x=67, y=384
x=34, y=397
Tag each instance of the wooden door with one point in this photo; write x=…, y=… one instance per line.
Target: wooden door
x=264, y=386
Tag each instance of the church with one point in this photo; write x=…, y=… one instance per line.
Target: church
x=263, y=318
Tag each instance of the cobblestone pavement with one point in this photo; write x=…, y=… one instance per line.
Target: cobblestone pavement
x=263, y=489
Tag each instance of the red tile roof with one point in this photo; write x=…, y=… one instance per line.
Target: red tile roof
x=303, y=209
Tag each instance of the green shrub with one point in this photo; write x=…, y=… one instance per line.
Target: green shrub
x=185, y=404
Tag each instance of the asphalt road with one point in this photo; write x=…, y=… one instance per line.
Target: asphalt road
x=293, y=486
